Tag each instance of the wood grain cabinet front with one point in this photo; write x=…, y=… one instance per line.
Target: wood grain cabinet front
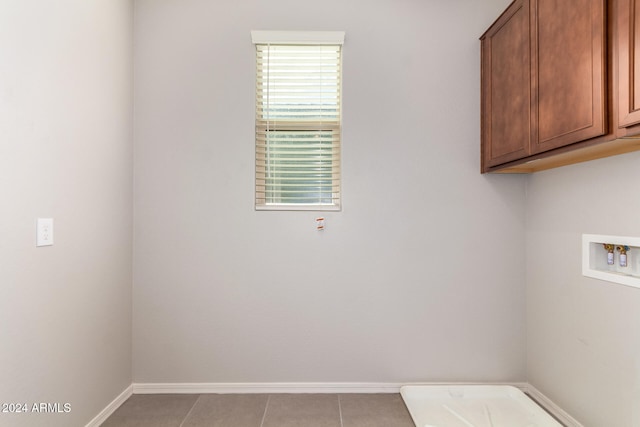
x=506, y=93
x=577, y=65
x=568, y=72
x=628, y=42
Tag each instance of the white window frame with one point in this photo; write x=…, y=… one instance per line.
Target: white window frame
x=266, y=125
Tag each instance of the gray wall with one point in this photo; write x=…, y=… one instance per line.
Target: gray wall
x=583, y=334
x=65, y=153
x=419, y=278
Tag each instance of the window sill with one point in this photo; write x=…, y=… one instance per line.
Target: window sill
x=298, y=207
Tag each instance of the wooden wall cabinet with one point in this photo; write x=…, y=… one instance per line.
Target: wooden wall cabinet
x=551, y=95
x=506, y=99
x=628, y=37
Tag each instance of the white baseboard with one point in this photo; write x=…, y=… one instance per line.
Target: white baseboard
x=265, y=388
x=111, y=407
x=550, y=406
x=274, y=388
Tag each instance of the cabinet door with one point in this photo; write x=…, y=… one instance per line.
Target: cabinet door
x=506, y=100
x=568, y=72
x=629, y=62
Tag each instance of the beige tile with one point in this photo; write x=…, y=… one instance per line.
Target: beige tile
x=227, y=410
x=152, y=410
x=302, y=410
x=374, y=410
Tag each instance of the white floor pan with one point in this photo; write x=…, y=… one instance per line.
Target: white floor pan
x=473, y=406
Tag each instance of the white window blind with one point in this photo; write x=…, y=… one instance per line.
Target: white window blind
x=298, y=121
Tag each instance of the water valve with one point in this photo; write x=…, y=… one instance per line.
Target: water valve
x=609, y=248
x=623, y=255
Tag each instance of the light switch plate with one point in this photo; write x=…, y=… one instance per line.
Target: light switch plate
x=44, y=232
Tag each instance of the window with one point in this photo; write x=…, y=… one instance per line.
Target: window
x=298, y=120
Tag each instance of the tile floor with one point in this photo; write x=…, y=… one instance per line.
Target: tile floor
x=261, y=410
